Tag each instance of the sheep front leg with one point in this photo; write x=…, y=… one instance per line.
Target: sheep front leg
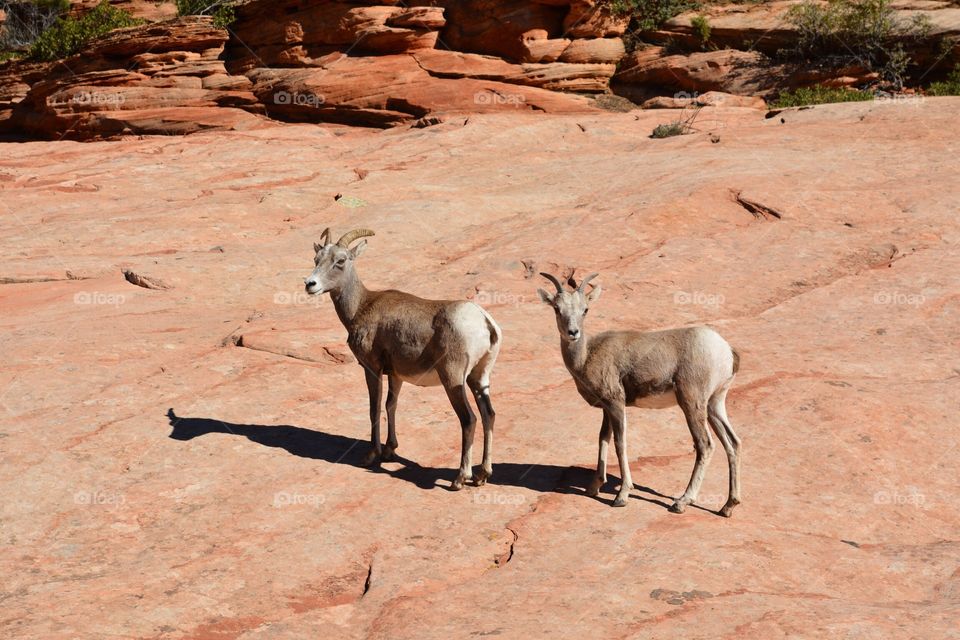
x=601, y=476
x=393, y=394
x=375, y=388
x=618, y=420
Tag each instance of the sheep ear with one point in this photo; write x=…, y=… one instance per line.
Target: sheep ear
x=316, y=247
x=358, y=249
x=594, y=294
x=546, y=297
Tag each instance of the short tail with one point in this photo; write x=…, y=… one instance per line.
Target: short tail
x=494, y=328
x=736, y=360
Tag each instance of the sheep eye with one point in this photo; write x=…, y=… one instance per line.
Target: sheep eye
x=339, y=263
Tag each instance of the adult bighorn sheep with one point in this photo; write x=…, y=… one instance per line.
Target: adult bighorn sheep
x=453, y=343
x=692, y=367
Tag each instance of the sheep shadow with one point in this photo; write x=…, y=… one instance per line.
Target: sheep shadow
x=338, y=449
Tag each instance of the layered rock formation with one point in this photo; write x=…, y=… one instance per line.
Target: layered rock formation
x=164, y=78
x=387, y=63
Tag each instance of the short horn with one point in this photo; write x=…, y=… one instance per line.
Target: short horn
x=356, y=234
x=553, y=279
x=584, y=282
x=325, y=236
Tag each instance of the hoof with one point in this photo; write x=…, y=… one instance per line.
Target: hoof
x=727, y=510
x=482, y=476
x=594, y=488
x=458, y=483
x=678, y=507
x=372, y=458
x=389, y=453
x=621, y=501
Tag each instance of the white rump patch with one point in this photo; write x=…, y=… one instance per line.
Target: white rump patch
x=471, y=324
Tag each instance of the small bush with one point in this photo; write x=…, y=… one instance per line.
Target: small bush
x=948, y=87
x=647, y=15
x=69, y=35
x=222, y=10
x=819, y=95
x=843, y=32
x=668, y=130
x=701, y=26
x=26, y=20
x=679, y=127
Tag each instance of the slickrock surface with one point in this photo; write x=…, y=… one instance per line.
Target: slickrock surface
x=181, y=428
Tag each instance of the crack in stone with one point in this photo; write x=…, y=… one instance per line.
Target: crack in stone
x=504, y=558
x=366, y=583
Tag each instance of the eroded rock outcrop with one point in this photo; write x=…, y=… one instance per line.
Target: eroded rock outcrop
x=164, y=78
x=648, y=72
x=298, y=33
x=386, y=63
x=390, y=90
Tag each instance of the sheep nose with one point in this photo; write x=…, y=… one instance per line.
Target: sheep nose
x=310, y=283
x=573, y=333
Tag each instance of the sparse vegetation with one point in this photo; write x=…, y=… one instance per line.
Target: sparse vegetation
x=843, y=32
x=25, y=21
x=681, y=126
x=948, y=87
x=819, y=95
x=647, y=15
x=69, y=35
x=223, y=11
x=701, y=26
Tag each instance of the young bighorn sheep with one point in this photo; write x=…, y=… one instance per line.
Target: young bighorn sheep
x=693, y=367
x=453, y=343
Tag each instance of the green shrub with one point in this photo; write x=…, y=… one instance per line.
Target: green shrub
x=69, y=35
x=222, y=10
x=647, y=15
x=9, y=55
x=948, y=87
x=681, y=126
x=819, y=95
x=701, y=26
x=843, y=32
x=668, y=130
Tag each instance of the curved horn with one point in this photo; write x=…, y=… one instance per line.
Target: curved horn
x=552, y=279
x=356, y=234
x=584, y=282
x=325, y=236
